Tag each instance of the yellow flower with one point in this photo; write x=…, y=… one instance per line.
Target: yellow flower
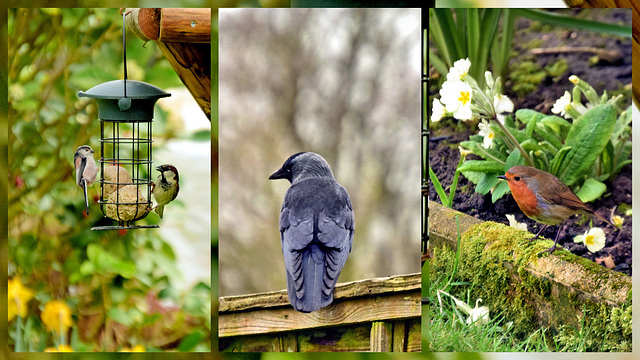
x=137, y=348
x=61, y=348
x=56, y=316
x=18, y=298
x=617, y=220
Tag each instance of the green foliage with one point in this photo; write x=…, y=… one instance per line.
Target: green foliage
x=111, y=280
x=592, y=149
x=446, y=200
x=471, y=35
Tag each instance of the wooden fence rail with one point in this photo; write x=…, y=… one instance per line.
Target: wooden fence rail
x=380, y=314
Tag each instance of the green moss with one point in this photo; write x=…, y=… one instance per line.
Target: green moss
x=557, y=69
x=535, y=43
x=526, y=76
x=495, y=258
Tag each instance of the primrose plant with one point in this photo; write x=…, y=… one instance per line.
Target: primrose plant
x=583, y=153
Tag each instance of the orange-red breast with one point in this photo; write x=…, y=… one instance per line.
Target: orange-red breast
x=544, y=198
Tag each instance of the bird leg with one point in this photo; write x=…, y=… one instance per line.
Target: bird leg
x=555, y=243
x=539, y=232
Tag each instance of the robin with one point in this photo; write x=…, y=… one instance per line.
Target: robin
x=544, y=198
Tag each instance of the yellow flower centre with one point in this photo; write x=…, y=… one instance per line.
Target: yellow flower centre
x=465, y=97
x=491, y=135
x=589, y=240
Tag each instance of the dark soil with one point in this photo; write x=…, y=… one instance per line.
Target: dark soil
x=444, y=153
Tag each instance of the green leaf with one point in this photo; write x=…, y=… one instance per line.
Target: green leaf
x=487, y=154
x=204, y=135
x=591, y=190
x=552, y=138
x=436, y=184
x=575, y=23
x=487, y=183
x=190, y=341
x=473, y=176
x=515, y=158
x=587, y=138
x=558, y=159
x=555, y=123
x=123, y=317
x=484, y=166
x=526, y=115
x=500, y=190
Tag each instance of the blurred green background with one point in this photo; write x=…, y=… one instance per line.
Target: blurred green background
x=123, y=288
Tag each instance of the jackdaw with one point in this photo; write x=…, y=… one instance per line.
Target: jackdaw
x=316, y=230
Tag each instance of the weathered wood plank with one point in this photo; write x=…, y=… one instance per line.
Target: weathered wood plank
x=381, y=336
x=342, y=339
x=257, y=343
x=400, y=336
x=391, y=306
x=414, y=337
x=367, y=287
x=289, y=342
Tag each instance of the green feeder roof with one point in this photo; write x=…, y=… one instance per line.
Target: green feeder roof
x=137, y=106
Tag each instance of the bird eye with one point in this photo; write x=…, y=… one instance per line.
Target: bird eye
x=516, y=178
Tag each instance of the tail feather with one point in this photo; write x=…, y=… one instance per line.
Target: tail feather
x=313, y=268
x=86, y=198
x=159, y=210
x=601, y=218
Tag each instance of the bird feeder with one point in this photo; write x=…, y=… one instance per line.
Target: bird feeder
x=125, y=112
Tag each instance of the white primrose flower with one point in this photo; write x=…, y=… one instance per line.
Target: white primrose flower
x=514, y=224
x=459, y=70
x=488, y=133
x=456, y=97
x=438, y=111
x=562, y=105
x=502, y=103
x=594, y=239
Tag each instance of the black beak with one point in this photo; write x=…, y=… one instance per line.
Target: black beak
x=159, y=168
x=280, y=174
x=502, y=177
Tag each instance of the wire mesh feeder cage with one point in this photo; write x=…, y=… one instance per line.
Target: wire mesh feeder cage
x=125, y=112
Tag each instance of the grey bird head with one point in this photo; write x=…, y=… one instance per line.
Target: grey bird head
x=302, y=166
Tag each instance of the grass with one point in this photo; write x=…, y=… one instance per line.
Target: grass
x=449, y=331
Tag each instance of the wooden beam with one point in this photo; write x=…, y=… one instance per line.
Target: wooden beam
x=366, y=287
x=184, y=37
x=381, y=299
x=186, y=25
